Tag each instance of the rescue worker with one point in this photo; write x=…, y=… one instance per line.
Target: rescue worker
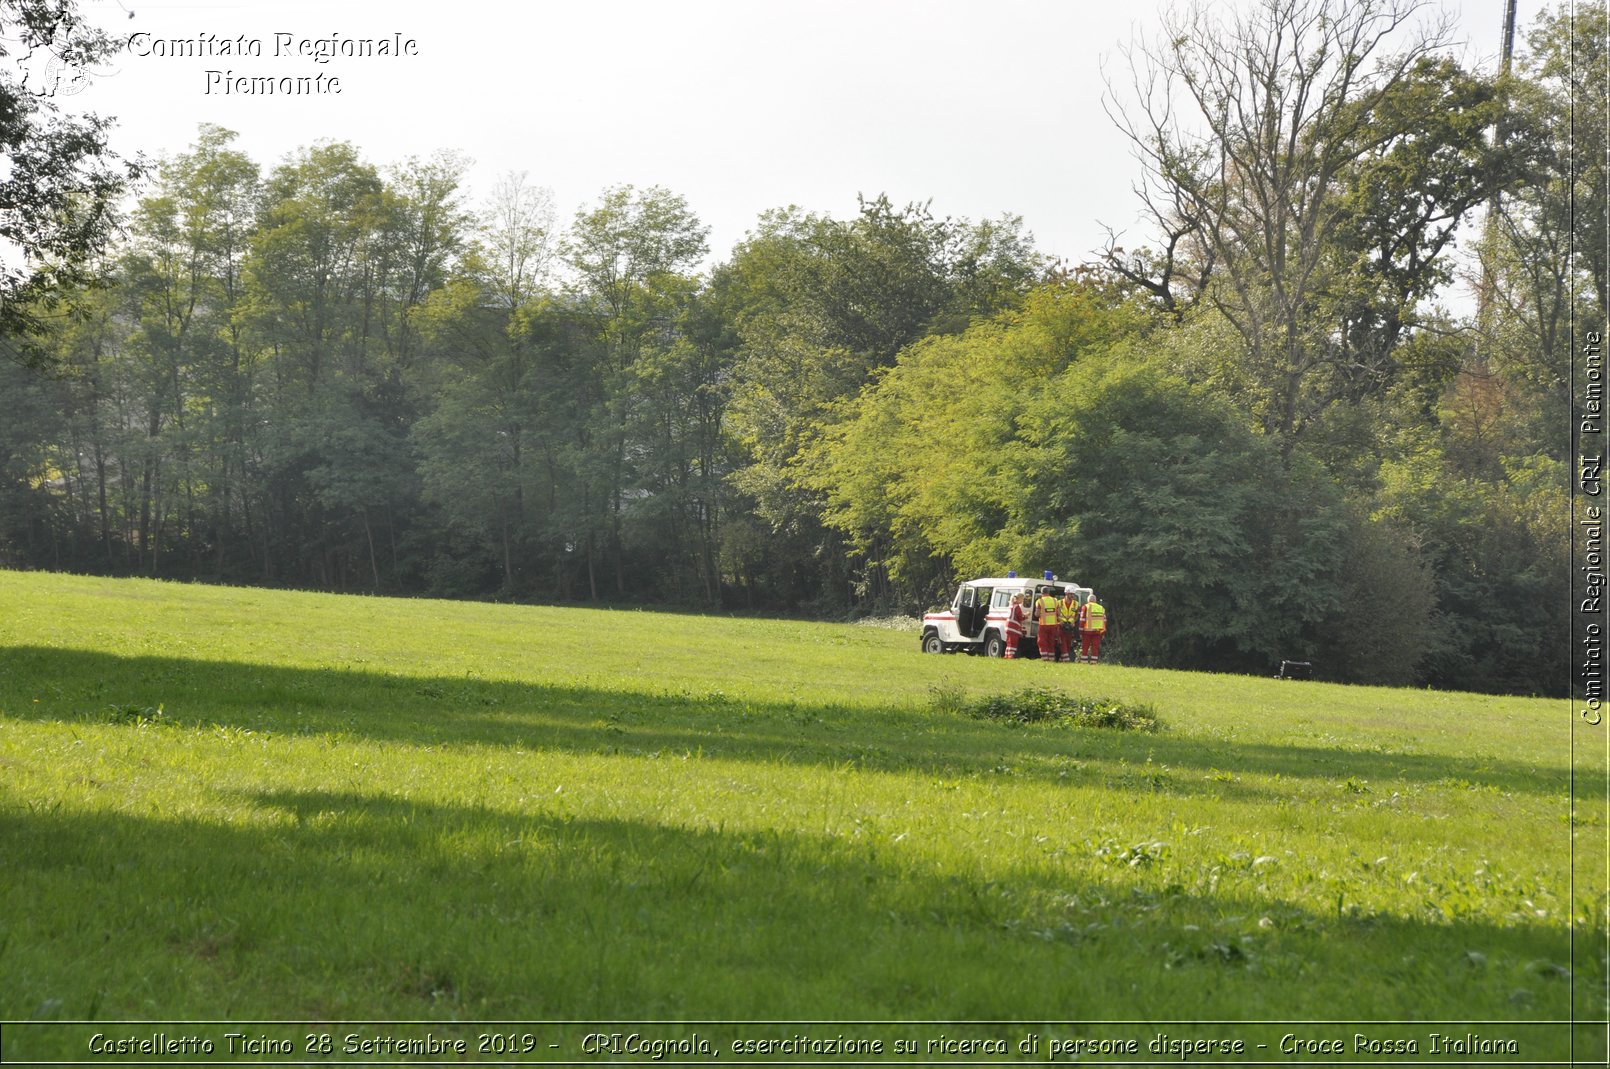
x=1070, y=623
x=1092, y=625
x=1050, y=636
x=1017, y=626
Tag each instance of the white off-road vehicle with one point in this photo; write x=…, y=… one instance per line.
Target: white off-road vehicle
x=975, y=622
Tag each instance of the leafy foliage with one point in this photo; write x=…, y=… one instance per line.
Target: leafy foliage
x=61, y=183
x=1308, y=163
x=1035, y=705
x=1211, y=552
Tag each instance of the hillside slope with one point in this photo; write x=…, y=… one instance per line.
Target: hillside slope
x=279, y=806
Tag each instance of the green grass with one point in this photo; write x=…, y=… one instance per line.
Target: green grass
x=267, y=805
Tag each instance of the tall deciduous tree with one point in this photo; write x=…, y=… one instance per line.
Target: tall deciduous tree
x=183, y=273
x=489, y=443
x=61, y=183
x=338, y=261
x=632, y=254
x=1307, y=162
x=1544, y=257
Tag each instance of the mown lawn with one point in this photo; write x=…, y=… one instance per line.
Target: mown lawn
x=254, y=805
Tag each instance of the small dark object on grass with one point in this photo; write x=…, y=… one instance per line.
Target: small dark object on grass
x=1295, y=670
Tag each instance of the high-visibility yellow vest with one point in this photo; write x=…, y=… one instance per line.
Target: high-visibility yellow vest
x=1095, y=616
x=1048, y=610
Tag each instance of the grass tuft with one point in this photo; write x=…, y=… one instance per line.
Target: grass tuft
x=136, y=715
x=1036, y=705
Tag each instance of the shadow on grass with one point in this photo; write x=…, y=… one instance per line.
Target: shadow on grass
x=53, y=684
x=344, y=905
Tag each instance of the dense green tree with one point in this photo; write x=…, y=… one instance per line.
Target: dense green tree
x=680, y=484
x=926, y=472
x=1501, y=559
x=503, y=448
x=1383, y=630
x=62, y=182
x=478, y=436
x=632, y=254
x=190, y=372
x=35, y=515
x=1209, y=551
x=578, y=430
x=818, y=306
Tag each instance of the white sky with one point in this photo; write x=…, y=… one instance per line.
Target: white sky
x=984, y=106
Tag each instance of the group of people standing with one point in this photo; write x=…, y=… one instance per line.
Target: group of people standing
x=1062, y=623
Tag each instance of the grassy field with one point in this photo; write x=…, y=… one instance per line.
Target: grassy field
x=255, y=805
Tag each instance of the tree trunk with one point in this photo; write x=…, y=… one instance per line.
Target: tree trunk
x=369, y=536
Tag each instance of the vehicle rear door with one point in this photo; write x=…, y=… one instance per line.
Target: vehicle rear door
x=974, y=607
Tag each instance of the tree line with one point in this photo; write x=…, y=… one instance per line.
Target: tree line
x=1258, y=434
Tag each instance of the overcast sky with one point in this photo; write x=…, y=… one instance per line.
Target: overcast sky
x=983, y=106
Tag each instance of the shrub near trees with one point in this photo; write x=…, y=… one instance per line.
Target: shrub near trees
x=1259, y=439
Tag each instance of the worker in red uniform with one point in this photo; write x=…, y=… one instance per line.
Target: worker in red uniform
x=1046, y=611
x=1092, y=625
x=1017, y=624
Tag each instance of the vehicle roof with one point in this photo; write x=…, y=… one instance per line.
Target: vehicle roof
x=1024, y=580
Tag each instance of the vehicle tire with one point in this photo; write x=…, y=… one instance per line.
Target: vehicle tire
x=994, y=644
x=931, y=642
